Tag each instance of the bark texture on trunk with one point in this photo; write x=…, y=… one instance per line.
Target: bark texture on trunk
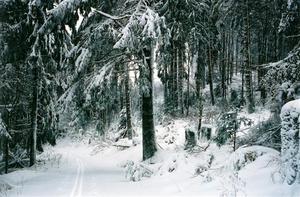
x=34, y=112
x=128, y=107
x=149, y=145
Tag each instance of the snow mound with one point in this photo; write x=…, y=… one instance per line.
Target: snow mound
x=291, y=107
x=246, y=155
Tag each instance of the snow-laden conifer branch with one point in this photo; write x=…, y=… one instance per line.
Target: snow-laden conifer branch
x=110, y=16
x=59, y=14
x=144, y=23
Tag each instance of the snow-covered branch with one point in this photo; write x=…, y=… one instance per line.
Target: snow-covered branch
x=59, y=14
x=110, y=16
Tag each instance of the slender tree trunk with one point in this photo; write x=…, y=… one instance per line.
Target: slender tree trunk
x=167, y=89
x=260, y=72
x=149, y=145
x=174, y=90
x=128, y=108
x=231, y=55
x=6, y=154
x=236, y=56
x=248, y=73
x=176, y=78
x=34, y=108
x=199, y=84
x=243, y=83
x=210, y=80
x=188, y=84
x=114, y=84
x=180, y=80
x=200, y=107
x=223, y=66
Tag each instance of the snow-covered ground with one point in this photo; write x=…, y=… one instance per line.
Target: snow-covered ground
x=77, y=168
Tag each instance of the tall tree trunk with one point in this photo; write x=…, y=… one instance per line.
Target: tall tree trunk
x=176, y=77
x=174, y=90
x=210, y=80
x=199, y=84
x=248, y=73
x=223, y=65
x=189, y=59
x=260, y=72
x=121, y=95
x=166, y=83
x=236, y=55
x=6, y=153
x=180, y=79
x=149, y=145
x=127, y=103
x=34, y=112
x=231, y=55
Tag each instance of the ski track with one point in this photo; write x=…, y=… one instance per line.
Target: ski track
x=77, y=187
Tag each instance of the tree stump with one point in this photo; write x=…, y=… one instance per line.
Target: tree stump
x=190, y=139
x=205, y=133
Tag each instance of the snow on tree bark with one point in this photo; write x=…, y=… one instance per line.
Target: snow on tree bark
x=149, y=145
x=290, y=153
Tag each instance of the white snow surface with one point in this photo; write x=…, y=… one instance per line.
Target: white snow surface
x=292, y=106
x=77, y=168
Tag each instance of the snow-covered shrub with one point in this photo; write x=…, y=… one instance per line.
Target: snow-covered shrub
x=290, y=154
x=136, y=171
x=226, y=126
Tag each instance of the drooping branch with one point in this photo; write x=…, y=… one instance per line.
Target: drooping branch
x=110, y=16
x=59, y=14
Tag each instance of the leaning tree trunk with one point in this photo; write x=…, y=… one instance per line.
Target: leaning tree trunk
x=127, y=103
x=149, y=146
x=34, y=108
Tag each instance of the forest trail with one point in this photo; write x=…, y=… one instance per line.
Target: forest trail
x=75, y=173
x=79, y=169
x=77, y=188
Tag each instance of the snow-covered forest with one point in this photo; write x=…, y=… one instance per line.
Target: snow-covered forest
x=149, y=98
